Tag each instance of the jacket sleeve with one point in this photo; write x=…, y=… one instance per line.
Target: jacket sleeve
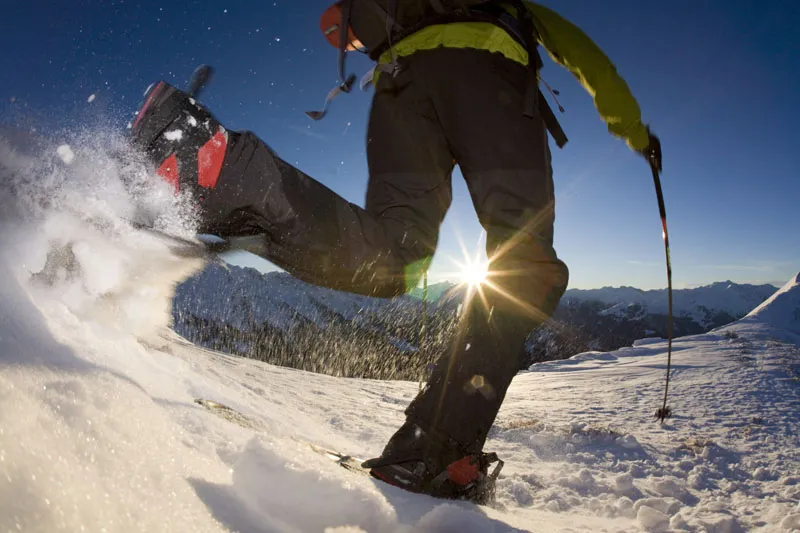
x=568, y=46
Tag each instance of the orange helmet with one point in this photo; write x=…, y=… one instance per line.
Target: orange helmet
x=331, y=22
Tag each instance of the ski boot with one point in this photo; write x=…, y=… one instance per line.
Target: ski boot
x=186, y=144
x=414, y=461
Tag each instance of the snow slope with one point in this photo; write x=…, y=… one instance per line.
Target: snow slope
x=99, y=429
x=782, y=311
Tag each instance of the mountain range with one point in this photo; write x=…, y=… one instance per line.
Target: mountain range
x=276, y=318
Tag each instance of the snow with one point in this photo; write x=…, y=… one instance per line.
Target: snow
x=782, y=310
x=66, y=154
x=100, y=431
x=174, y=135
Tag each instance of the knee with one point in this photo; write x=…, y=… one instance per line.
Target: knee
x=536, y=281
x=531, y=274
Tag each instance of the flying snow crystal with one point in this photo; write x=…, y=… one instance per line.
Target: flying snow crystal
x=174, y=135
x=66, y=154
x=90, y=99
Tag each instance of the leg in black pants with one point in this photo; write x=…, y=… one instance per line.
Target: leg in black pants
x=505, y=160
x=445, y=106
x=321, y=238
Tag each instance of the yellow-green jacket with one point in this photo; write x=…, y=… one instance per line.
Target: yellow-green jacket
x=566, y=44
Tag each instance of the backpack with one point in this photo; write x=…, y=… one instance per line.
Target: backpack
x=379, y=23
x=374, y=26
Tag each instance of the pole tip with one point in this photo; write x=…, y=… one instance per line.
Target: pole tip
x=663, y=413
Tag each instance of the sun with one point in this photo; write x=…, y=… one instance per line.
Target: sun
x=474, y=273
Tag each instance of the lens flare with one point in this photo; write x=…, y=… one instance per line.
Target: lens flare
x=474, y=273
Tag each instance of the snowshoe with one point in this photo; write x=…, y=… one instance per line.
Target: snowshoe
x=465, y=479
x=430, y=463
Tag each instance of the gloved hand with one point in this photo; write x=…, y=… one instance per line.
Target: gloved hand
x=653, y=151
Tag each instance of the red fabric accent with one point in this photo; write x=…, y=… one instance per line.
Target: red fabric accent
x=209, y=160
x=169, y=171
x=147, y=103
x=463, y=471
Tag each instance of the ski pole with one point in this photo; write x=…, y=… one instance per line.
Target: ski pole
x=654, y=159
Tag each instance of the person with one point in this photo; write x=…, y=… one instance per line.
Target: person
x=455, y=91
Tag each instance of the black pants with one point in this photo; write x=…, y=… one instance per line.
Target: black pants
x=445, y=107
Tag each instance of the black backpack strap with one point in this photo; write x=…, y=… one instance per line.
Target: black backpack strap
x=344, y=30
x=345, y=84
x=528, y=30
x=534, y=99
x=390, y=14
x=551, y=122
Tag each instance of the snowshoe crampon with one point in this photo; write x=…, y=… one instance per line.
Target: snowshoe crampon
x=466, y=479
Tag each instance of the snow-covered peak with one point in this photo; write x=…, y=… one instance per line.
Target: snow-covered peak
x=706, y=305
x=781, y=310
x=699, y=303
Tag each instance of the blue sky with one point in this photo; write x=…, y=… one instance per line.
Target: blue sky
x=717, y=80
